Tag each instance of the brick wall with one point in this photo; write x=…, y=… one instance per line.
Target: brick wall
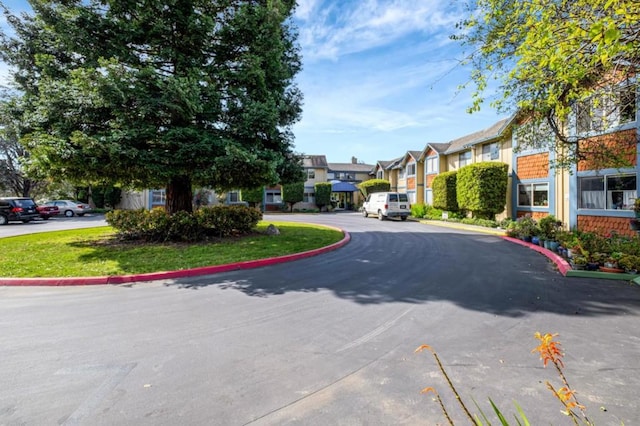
x=604, y=225
x=534, y=166
x=609, y=151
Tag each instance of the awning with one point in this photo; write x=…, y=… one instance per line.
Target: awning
x=338, y=186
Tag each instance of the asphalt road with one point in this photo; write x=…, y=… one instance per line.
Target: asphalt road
x=327, y=340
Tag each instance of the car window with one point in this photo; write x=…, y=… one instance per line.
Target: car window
x=393, y=198
x=25, y=203
x=403, y=198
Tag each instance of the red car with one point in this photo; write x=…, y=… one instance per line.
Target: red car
x=47, y=211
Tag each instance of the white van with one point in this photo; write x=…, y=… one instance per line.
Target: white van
x=387, y=204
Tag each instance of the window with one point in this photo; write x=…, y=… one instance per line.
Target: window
x=380, y=174
x=432, y=164
x=533, y=195
x=464, y=158
x=429, y=197
x=273, y=196
x=401, y=172
x=607, y=110
x=611, y=192
x=411, y=169
x=308, y=196
x=233, y=196
x=311, y=174
x=158, y=197
x=411, y=197
x=490, y=152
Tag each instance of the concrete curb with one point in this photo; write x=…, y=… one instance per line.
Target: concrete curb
x=166, y=275
x=563, y=266
x=561, y=263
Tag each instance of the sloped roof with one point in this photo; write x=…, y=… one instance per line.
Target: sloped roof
x=394, y=163
x=350, y=167
x=475, y=138
x=314, y=161
x=414, y=154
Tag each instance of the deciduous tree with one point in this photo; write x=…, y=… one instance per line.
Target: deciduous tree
x=554, y=60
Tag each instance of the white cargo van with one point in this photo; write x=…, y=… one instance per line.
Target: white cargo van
x=387, y=204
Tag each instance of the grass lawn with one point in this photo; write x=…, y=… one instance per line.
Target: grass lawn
x=95, y=251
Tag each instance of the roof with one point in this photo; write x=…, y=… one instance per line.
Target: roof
x=475, y=138
x=414, y=154
x=350, y=167
x=338, y=186
x=314, y=161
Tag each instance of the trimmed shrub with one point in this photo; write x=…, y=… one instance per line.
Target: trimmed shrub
x=158, y=226
x=444, y=191
x=322, y=194
x=482, y=188
x=374, y=185
x=293, y=193
x=253, y=196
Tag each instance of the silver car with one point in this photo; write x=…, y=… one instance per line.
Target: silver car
x=70, y=208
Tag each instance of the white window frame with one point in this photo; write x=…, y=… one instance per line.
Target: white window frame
x=432, y=164
x=606, y=110
x=531, y=189
x=158, y=197
x=401, y=173
x=411, y=169
x=311, y=174
x=274, y=194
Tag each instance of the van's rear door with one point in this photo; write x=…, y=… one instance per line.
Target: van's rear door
x=398, y=202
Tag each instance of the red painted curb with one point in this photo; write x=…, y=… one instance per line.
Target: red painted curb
x=563, y=265
x=153, y=276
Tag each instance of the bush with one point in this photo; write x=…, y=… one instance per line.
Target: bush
x=322, y=194
x=482, y=188
x=292, y=193
x=419, y=210
x=444, y=191
x=158, y=226
x=374, y=185
x=253, y=196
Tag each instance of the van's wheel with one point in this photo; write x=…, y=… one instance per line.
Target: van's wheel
x=380, y=215
x=3, y=220
x=403, y=218
x=364, y=213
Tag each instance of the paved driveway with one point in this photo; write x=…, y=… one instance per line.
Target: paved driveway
x=324, y=340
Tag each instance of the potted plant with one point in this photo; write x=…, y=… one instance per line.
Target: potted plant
x=629, y=263
x=578, y=262
x=610, y=263
x=526, y=227
x=549, y=227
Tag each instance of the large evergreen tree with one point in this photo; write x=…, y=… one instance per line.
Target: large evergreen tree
x=159, y=93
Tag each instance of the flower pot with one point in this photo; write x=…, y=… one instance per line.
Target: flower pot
x=611, y=270
x=526, y=239
x=592, y=266
x=547, y=245
x=553, y=245
x=578, y=267
x=535, y=240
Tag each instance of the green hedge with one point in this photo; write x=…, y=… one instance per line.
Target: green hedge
x=374, y=185
x=482, y=188
x=322, y=194
x=444, y=191
x=157, y=225
x=292, y=193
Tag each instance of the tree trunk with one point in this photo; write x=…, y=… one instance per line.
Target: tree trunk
x=179, y=195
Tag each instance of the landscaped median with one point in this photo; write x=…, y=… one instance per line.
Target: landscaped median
x=93, y=256
x=563, y=266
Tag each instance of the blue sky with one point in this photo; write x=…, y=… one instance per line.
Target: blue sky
x=379, y=78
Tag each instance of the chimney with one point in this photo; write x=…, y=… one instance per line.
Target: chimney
x=354, y=160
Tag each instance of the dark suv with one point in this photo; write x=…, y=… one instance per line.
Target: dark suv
x=16, y=209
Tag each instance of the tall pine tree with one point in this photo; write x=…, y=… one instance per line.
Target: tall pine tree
x=159, y=93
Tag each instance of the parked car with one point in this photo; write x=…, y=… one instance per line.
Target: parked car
x=70, y=208
x=387, y=204
x=17, y=209
x=47, y=212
